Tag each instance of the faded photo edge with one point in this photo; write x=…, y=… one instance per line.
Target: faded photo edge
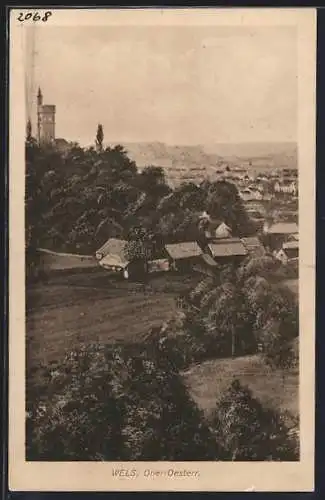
x=201, y=476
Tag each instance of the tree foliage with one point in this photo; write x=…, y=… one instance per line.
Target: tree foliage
x=115, y=403
x=249, y=430
x=77, y=198
x=100, y=137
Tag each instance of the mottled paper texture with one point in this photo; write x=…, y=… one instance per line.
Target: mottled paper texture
x=177, y=77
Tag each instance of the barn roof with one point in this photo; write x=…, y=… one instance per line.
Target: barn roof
x=183, y=250
x=113, y=246
x=283, y=228
x=227, y=248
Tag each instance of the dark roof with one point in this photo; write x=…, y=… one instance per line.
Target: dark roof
x=183, y=250
x=291, y=253
x=62, y=141
x=113, y=246
x=227, y=247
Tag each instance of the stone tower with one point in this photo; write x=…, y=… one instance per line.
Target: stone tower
x=45, y=120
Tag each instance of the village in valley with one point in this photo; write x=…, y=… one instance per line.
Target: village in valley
x=269, y=196
x=186, y=282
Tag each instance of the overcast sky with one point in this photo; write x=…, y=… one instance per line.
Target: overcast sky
x=180, y=85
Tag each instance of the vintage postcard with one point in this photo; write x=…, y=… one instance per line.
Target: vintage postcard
x=162, y=240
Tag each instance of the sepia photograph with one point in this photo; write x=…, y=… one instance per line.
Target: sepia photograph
x=163, y=167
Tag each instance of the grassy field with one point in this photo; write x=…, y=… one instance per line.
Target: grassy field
x=93, y=306
x=207, y=381
x=90, y=305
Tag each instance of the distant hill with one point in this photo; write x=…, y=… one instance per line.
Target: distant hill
x=272, y=154
x=170, y=156
x=198, y=162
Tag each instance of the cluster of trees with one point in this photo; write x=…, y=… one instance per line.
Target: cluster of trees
x=130, y=403
x=79, y=197
x=243, y=310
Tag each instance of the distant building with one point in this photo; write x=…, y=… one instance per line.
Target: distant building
x=217, y=229
x=286, y=186
x=227, y=250
x=45, y=121
x=183, y=255
x=113, y=246
x=251, y=194
x=112, y=257
x=276, y=234
x=62, y=145
x=289, y=252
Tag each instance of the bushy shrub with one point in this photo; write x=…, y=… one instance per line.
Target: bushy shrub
x=119, y=403
x=241, y=313
x=250, y=431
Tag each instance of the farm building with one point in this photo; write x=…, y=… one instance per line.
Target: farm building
x=183, y=255
x=158, y=265
x=277, y=234
x=115, y=264
x=227, y=250
x=112, y=257
x=217, y=229
x=253, y=246
x=113, y=246
x=289, y=252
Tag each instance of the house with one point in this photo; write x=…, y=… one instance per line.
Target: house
x=227, y=250
x=112, y=257
x=112, y=246
x=222, y=231
x=289, y=252
x=251, y=193
x=158, y=265
x=246, y=195
x=116, y=264
x=62, y=144
x=286, y=186
x=253, y=246
x=215, y=228
x=276, y=234
x=184, y=255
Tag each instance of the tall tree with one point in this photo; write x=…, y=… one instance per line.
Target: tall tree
x=99, y=137
x=249, y=430
x=29, y=130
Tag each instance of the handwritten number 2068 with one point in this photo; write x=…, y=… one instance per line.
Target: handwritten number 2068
x=34, y=17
